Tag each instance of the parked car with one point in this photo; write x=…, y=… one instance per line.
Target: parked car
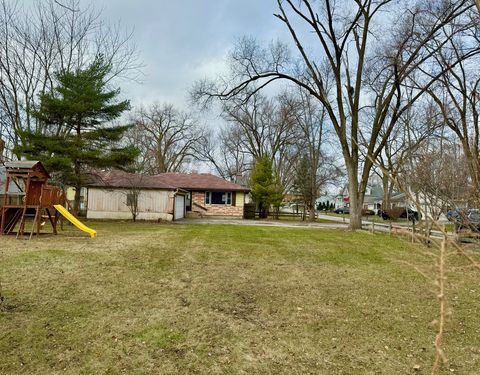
x=367, y=212
x=342, y=210
x=400, y=213
x=465, y=218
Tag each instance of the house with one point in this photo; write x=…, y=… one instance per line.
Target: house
x=372, y=200
x=209, y=195
x=166, y=196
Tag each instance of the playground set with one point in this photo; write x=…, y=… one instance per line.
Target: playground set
x=27, y=194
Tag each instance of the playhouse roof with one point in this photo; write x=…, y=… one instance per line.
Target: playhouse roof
x=22, y=165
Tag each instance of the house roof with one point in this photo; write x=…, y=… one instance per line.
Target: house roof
x=375, y=193
x=122, y=179
x=201, y=181
x=169, y=181
x=369, y=199
x=398, y=197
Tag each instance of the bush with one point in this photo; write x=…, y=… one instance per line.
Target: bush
x=249, y=211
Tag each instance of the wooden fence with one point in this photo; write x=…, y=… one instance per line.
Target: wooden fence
x=414, y=231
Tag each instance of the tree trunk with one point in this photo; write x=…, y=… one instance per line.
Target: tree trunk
x=356, y=204
x=76, y=202
x=311, y=215
x=78, y=185
x=356, y=200
x=386, y=192
x=473, y=165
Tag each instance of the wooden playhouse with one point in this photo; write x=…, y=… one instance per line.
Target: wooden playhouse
x=26, y=194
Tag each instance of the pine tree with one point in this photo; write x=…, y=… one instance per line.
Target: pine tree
x=266, y=189
x=77, y=132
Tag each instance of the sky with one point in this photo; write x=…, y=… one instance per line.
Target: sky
x=182, y=41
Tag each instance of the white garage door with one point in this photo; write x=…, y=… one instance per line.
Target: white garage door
x=179, y=207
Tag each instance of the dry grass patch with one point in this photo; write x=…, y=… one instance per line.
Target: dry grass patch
x=220, y=299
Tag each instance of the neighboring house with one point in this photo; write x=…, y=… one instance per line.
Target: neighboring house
x=373, y=197
x=372, y=200
x=166, y=196
x=432, y=205
x=399, y=200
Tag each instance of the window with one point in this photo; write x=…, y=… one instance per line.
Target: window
x=218, y=197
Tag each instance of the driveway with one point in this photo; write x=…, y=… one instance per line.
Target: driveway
x=264, y=223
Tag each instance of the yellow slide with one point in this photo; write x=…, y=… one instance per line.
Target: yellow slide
x=67, y=215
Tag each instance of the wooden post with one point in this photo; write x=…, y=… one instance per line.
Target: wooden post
x=35, y=223
x=413, y=231
x=373, y=226
x=4, y=210
x=390, y=228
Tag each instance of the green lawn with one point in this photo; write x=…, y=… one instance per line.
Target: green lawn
x=292, y=218
x=221, y=299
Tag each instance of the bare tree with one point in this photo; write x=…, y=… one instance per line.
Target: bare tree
x=2, y=149
x=457, y=95
x=370, y=68
x=441, y=178
x=253, y=129
x=225, y=153
x=132, y=194
x=266, y=127
x=166, y=137
x=316, y=168
x=414, y=127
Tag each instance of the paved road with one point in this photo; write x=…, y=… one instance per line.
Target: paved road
x=338, y=219
x=365, y=221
